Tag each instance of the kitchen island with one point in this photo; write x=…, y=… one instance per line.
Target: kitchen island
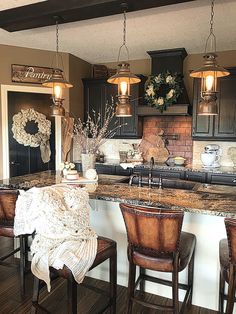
x=205, y=207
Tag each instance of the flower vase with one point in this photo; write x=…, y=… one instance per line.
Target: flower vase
x=88, y=162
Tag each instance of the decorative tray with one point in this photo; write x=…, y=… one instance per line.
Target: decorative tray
x=80, y=180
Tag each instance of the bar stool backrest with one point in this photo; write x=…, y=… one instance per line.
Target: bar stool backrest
x=152, y=230
x=7, y=206
x=230, y=225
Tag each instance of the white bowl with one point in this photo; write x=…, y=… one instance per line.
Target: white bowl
x=179, y=161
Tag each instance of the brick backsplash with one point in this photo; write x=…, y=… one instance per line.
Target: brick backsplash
x=181, y=126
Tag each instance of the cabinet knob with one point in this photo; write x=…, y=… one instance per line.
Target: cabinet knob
x=14, y=163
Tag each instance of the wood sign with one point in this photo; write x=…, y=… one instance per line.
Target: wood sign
x=30, y=74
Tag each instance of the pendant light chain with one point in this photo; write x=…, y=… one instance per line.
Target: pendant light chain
x=124, y=29
x=124, y=39
x=57, y=44
x=211, y=36
x=212, y=16
x=57, y=37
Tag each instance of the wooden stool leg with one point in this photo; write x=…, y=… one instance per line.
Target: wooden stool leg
x=190, y=278
x=35, y=298
x=113, y=282
x=142, y=272
x=26, y=251
x=22, y=265
x=231, y=290
x=221, y=294
x=131, y=285
x=175, y=286
x=72, y=295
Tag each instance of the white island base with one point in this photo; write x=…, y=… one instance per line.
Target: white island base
x=107, y=220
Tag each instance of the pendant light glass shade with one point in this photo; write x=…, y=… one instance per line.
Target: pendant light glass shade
x=58, y=83
x=209, y=73
x=123, y=79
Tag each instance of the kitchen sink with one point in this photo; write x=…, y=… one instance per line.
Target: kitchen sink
x=165, y=183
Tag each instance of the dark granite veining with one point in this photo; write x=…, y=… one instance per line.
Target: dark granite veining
x=204, y=199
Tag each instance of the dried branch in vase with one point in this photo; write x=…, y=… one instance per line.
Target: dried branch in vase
x=90, y=135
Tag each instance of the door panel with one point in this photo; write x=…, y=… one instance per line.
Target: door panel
x=202, y=125
x=25, y=159
x=225, y=120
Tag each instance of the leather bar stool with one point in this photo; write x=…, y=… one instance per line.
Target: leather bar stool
x=227, y=252
x=7, y=213
x=106, y=249
x=155, y=242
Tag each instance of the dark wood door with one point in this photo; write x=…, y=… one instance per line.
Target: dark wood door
x=131, y=129
x=226, y=119
x=223, y=125
x=94, y=97
x=111, y=92
x=25, y=159
x=202, y=125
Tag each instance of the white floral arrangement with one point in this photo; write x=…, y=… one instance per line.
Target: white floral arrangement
x=19, y=123
x=67, y=165
x=163, y=90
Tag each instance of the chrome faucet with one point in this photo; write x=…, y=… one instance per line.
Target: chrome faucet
x=150, y=179
x=139, y=180
x=131, y=178
x=160, y=182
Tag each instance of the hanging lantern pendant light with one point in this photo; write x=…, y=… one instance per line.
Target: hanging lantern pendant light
x=124, y=78
x=209, y=73
x=57, y=82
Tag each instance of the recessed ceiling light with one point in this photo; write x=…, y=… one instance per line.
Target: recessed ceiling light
x=10, y=4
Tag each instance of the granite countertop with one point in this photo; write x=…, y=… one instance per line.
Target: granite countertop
x=207, y=199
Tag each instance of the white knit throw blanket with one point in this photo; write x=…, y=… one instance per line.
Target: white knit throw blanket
x=59, y=215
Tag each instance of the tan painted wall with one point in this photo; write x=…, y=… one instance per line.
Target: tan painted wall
x=193, y=61
x=74, y=69
x=78, y=69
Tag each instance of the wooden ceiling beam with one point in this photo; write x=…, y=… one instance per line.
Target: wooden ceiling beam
x=42, y=14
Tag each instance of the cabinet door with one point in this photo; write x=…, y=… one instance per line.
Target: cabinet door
x=202, y=125
x=94, y=92
x=222, y=179
x=129, y=130
x=105, y=169
x=196, y=176
x=111, y=91
x=225, y=120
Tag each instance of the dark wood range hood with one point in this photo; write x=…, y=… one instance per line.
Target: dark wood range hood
x=162, y=61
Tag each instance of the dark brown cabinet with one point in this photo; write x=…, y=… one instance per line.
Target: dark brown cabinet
x=225, y=179
x=222, y=126
x=196, y=176
x=163, y=173
x=97, y=92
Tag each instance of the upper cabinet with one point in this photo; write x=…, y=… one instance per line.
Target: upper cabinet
x=97, y=92
x=222, y=126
